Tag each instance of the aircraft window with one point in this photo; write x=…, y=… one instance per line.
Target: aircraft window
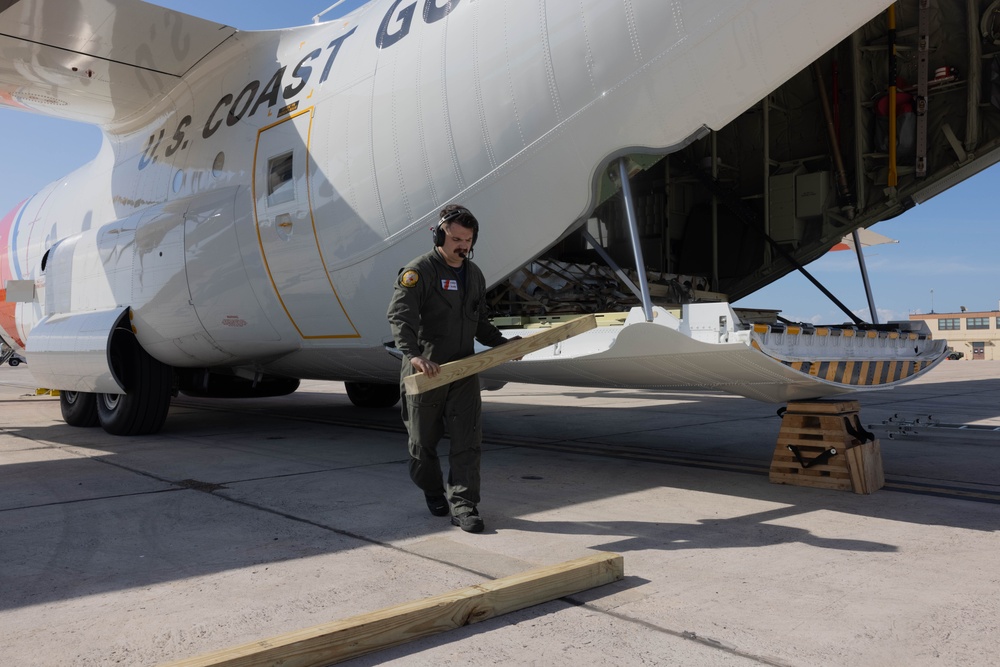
x=220, y=162
x=178, y=181
x=280, y=187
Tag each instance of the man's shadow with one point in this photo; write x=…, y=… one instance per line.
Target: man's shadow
x=751, y=530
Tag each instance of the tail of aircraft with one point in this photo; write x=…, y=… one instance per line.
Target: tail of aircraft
x=95, y=61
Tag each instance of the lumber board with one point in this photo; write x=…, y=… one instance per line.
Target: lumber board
x=793, y=468
x=822, y=421
x=822, y=407
x=812, y=473
x=875, y=474
x=456, y=370
x=832, y=483
x=818, y=434
x=865, y=463
x=818, y=445
x=334, y=642
x=819, y=470
x=856, y=466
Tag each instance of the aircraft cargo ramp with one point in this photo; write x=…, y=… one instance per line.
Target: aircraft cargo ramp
x=708, y=347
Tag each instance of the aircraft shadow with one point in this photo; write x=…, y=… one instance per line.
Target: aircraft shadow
x=229, y=485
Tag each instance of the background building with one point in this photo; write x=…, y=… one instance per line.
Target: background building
x=975, y=334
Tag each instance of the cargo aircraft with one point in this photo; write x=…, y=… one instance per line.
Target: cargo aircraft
x=257, y=191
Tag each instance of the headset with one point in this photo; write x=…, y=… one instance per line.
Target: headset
x=449, y=214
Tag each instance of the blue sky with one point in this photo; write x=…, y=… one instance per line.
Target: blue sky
x=946, y=256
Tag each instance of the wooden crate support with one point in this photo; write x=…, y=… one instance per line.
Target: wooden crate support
x=829, y=455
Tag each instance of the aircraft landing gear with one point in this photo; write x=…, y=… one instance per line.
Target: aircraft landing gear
x=79, y=408
x=148, y=383
x=372, y=395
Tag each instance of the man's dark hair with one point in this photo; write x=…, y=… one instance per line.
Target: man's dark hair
x=458, y=214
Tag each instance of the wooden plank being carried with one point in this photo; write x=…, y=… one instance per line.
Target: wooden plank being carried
x=456, y=370
x=342, y=640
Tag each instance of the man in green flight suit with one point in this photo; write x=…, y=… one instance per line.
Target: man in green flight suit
x=436, y=313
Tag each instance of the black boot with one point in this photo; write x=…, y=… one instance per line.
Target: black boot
x=438, y=505
x=468, y=519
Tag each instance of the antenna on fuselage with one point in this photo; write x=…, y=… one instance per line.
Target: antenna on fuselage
x=316, y=18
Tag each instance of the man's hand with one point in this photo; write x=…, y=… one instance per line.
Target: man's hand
x=425, y=366
x=510, y=340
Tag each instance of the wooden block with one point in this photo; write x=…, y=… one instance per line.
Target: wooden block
x=865, y=465
x=815, y=426
x=342, y=640
x=456, y=370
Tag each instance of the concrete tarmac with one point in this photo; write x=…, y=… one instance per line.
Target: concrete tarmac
x=243, y=520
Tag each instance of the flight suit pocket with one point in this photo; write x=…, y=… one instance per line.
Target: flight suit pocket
x=472, y=310
x=425, y=424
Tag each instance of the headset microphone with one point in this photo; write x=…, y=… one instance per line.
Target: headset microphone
x=454, y=214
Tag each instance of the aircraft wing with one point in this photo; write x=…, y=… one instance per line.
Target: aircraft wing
x=96, y=61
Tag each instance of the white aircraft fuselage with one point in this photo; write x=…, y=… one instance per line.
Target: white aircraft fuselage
x=255, y=216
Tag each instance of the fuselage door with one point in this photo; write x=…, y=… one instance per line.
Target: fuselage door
x=287, y=233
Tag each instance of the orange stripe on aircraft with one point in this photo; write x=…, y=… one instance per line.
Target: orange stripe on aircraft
x=8, y=322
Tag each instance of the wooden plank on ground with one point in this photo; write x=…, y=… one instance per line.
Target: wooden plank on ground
x=342, y=640
x=456, y=370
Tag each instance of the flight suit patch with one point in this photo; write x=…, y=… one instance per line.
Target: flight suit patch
x=409, y=278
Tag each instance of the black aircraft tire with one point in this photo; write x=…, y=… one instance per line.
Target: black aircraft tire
x=371, y=395
x=143, y=409
x=79, y=408
x=14, y=362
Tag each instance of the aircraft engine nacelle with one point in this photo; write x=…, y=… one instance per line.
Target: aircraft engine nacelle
x=128, y=274
x=96, y=282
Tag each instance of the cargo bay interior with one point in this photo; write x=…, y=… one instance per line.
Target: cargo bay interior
x=774, y=189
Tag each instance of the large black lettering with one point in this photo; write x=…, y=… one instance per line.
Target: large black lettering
x=248, y=92
x=178, y=137
x=334, y=49
x=384, y=39
x=434, y=13
x=271, y=90
x=149, y=155
x=302, y=72
x=209, y=128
